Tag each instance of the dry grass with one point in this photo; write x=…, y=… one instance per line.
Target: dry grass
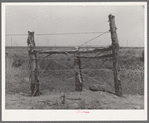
x=131, y=74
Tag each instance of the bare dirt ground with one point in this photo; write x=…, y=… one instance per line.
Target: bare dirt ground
x=75, y=100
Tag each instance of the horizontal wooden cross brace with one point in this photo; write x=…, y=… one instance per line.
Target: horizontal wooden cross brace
x=75, y=51
x=97, y=57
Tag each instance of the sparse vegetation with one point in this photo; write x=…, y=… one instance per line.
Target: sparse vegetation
x=62, y=78
x=17, y=61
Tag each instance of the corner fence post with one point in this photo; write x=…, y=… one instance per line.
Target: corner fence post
x=117, y=82
x=34, y=75
x=78, y=75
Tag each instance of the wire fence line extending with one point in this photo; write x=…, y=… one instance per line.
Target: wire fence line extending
x=82, y=69
x=65, y=65
x=15, y=42
x=105, y=69
x=73, y=33
x=94, y=38
x=65, y=73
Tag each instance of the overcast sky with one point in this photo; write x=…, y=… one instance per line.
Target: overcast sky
x=73, y=19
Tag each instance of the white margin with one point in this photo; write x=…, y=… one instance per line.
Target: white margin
x=71, y=115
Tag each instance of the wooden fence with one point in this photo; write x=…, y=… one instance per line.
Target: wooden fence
x=114, y=47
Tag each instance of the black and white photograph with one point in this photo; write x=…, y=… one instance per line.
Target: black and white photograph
x=74, y=61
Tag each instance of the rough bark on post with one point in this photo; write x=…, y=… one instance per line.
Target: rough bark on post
x=34, y=76
x=78, y=75
x=117, y=82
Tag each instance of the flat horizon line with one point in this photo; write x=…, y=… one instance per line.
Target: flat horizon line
x=82, y=46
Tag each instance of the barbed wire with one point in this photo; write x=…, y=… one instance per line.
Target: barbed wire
x=94, y=38
x=122, y=70
x=89, y=60
x=87, y=76
x=73, y=33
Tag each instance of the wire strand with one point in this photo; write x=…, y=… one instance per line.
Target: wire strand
x=94, y=38
x=73, y=33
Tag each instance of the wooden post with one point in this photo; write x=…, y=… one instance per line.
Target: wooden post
x=78, y=75
x=34, y=76
x=117, y=82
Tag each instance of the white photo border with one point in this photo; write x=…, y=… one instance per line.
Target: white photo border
x=72, y=115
